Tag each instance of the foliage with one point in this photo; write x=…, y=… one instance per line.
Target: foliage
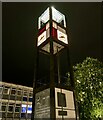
x=88, y=77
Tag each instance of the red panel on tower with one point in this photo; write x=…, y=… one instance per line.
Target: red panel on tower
x=54, y=32
x=42, y=30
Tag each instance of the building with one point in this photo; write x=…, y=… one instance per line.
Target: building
x=15, y=101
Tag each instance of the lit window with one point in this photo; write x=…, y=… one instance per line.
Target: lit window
x=24, y=108
x=29, y=110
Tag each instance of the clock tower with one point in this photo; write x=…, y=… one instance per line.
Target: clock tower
x=54, y=100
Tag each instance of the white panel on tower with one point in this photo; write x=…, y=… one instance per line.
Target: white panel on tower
x=62, y=37
x=69, y=98
x=41, y=38
x=58, y=17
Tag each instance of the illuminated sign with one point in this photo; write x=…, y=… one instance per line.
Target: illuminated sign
x=42, y=38
x=62, y=37
x=59, y=33
x=44, y=33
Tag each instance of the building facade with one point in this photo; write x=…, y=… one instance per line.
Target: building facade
x=15, y=101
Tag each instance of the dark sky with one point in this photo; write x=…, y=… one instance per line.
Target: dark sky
x=19, y=30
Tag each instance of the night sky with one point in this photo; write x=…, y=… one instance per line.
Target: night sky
x=19, y=32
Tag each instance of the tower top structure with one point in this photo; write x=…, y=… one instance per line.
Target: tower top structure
x=52, y=25
x=55, y=15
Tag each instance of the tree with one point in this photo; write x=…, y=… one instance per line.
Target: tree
x=88, y=77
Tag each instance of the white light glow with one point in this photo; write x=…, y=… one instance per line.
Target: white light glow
x=62, y=37
x=44, y=17
x=41, y=38
x=57, y=16
x=23, y=105
x=29, y=110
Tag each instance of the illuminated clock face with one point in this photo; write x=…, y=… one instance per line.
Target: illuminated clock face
x=62, y=37
x=42, y=38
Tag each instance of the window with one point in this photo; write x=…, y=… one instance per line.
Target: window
x=30, y=99
x=17, y=108
x=19, y=92
x=61, y=99
x=17, y=115
x=23, y=115
x=31, y=94
x=3, y=115
x=24, y=98
x=29, y=116
x=6, y=90
x=11, y=108
x=1, y=88
x=25, y=93
x=29, y=109
x=12, y=97
x=24, y=107
x=9, y=115
x=13, y=91
x=5, y=96
x=18, y=98
x=3, y=108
